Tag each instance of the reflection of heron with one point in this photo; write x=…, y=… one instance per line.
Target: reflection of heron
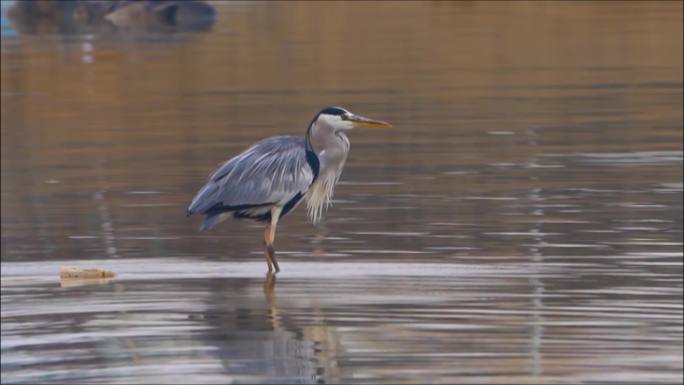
x=269, y=179
x=259, y=337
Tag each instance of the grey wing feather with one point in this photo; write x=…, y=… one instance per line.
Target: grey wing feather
x=270, y=172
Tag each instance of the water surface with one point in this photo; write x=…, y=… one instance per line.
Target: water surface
x=521, y=223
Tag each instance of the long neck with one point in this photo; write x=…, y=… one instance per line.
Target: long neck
x=331, y=152
x=329, y=146
x=309, y=146
x=308, y=134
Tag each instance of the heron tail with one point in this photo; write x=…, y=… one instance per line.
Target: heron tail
x=213, y=219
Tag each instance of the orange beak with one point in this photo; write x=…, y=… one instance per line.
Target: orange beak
x=366, y=122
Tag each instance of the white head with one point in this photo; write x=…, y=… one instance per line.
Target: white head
x=335, y=118
x=339, y=119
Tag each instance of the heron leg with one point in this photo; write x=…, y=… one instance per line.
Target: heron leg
x=269, y=238
x=267, y=233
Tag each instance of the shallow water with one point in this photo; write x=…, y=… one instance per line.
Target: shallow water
x=521, y=223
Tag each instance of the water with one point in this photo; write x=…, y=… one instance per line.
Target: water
x=521, y=223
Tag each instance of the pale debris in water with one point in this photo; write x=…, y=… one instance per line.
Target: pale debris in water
x=71, y=272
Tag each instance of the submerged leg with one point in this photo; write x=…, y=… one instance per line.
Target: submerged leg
x=269, y=237
x=269, y=285
x=269, y=294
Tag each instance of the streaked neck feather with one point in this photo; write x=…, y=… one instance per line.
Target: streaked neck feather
x=319, y=196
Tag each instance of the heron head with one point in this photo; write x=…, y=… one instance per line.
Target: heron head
x=338, y=119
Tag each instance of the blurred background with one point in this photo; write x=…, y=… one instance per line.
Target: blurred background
x=521, y=223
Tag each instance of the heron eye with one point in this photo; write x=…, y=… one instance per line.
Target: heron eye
x=344, y=117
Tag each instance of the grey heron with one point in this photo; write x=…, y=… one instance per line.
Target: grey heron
x=269, y=179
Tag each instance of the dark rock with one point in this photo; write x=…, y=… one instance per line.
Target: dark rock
x=76, y=16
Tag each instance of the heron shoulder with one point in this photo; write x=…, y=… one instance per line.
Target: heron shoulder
x=285, y=147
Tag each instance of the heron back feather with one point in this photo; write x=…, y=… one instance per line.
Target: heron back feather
x=270, y=173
